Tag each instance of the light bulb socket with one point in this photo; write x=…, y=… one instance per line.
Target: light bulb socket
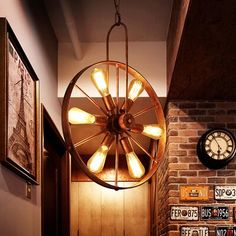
x=126, y=145
x=137, y=128
x=129, y=105
x=108, y=140
x=101, y=120
x=109, y=102
x=126, y=121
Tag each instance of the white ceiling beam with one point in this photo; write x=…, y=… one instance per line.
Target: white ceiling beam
x=71, y=28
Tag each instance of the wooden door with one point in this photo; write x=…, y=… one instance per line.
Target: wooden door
x=55, y=181
x=98, y=211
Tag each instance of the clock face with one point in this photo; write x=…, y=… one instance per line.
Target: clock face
x=219, y=145
x=216, y=148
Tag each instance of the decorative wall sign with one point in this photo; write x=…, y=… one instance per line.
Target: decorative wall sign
x=194, y=193
x=19, y=102
x=184, y=213
x=225, y=192
x=194, y=231
x=234, y=214
x=225, y=230
x=214, y=213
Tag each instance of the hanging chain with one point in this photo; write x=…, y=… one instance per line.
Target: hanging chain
x=117, y=14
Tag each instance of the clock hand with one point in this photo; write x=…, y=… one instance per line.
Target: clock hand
x=219, y=147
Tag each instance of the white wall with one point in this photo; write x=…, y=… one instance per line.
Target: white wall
x=148, y=58
x=18, y=215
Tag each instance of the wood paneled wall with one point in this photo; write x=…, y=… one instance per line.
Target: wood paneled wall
x=98, y=211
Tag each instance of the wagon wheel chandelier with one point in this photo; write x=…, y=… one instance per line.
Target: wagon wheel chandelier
x=117, y=124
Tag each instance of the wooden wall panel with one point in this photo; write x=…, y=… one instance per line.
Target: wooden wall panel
x=74, y=213
x=136, y=211
x=112, y=212
x=105, y=212
x=89, y=209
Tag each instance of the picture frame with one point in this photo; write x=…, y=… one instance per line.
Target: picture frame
x=19, y=105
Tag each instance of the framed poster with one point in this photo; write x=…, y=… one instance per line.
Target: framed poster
x=19, y=104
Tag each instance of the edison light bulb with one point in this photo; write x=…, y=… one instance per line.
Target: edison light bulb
x=135, y=167
x=135, y=89
x=99, y=79
x=152, y=131
x=78, y=116
x=97, y=160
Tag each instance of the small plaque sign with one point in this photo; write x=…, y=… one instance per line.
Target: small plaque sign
x=184, y=213
x=226, y=231
x=225, y=192
x=214, y=213
x=194, y=193
x=194, y=231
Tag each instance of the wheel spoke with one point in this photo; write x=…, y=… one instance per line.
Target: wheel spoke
x=152, y=148
x=117, y=88
x=117, y=160
x=143, y=111
x=140, y=146
x=88, y=138
x=91, y=100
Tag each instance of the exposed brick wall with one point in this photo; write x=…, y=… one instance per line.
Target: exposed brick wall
x=186, y=122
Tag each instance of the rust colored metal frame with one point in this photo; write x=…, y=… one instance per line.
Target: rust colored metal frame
x=156, y=108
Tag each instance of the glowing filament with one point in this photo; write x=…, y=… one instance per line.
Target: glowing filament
x=135, y=89
x=99, y=79
x=78, y=116
x=135, y=167
x=97, y=160
x=152, y=131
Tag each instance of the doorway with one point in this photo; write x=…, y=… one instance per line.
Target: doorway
x=55, y=170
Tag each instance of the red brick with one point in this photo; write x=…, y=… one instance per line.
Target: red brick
x=177, y=126
x=231, y=180
x=177, y=152
x=197, y=180
x=196, y=125
x=173, y=173
x=177, y=166
x=188, y=159
x=206, y=119
x=197, y=167
x=173, y=133
x=216, y=180
x=187, y=146
x=187, y=105
x=197, y=112
x=187, y=173
x=173, y=160
x=207, y=173
x=177, y=139
x=216, y=112
x=216, y=125
x=188, y=132
x=177, y=180
x=193, y=139
x=187, y=119
x=226, y=173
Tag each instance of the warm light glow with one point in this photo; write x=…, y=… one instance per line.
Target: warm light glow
x=99, y=79
x=97, y=160
x=78, y=116
x=135, y=89
x=152, y=131
x=135, y=167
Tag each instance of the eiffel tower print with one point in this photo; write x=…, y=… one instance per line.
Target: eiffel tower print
x=18, y=141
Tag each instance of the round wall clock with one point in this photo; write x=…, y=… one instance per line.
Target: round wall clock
x=216, y=148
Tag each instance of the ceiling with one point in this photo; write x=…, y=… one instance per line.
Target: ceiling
x=91, y=19
x=203, y=64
